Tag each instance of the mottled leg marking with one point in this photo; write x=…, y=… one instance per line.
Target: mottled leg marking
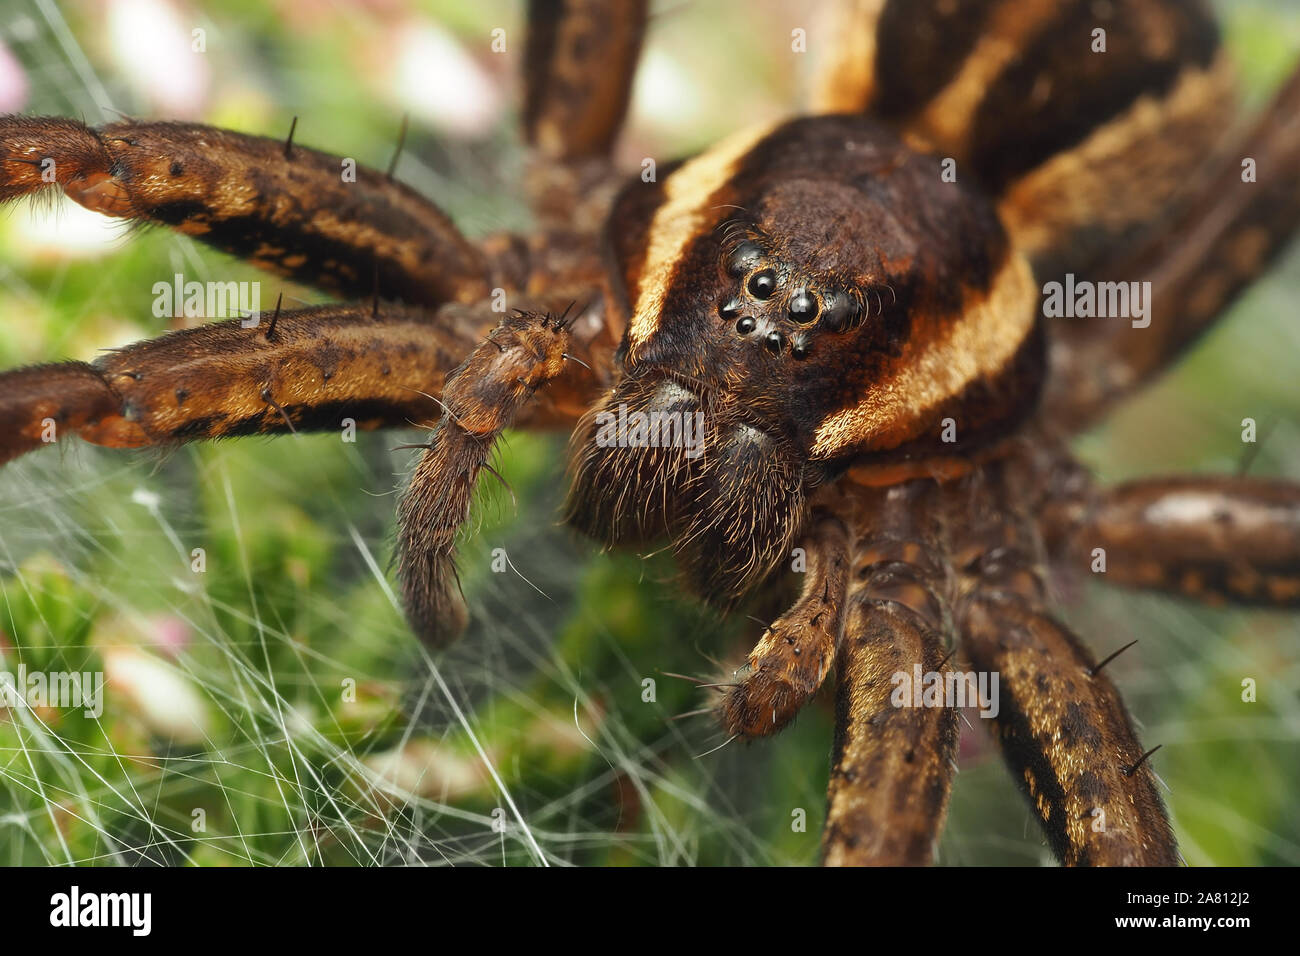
x=579, y=65
x=481, y=399
x=1215, y=539
x=1061, y=725
x=288, y=209
x=308, y=370
x=1066, y=737
x=893, y=762
x=790, y=662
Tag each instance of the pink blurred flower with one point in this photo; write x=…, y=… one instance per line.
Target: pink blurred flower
x=13, y=82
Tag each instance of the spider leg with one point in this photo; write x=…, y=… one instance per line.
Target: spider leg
x=1227, y=233
x=481, y=399
x=788, y=665
x=322, y=220
x=579, y=65
x=1060, y=722
x=1212, y=538
x=892, y=762
x=376, y=364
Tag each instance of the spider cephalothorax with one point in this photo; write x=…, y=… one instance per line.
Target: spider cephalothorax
x=819, y=338
x=812, y=295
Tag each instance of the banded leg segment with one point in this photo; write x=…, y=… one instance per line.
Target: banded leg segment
x=1061, y=725
x=319, y=219
x=1215, y=539
x=305, y=370
x=893, y=761
x=1066, y=737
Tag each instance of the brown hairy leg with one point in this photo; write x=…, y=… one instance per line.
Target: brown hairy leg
x=481, y=399
x=892, y=766
x=1060, y=722
x=309, y=369
x=1228, y=232
x=579, y=65
x=1216, y=539
x=789, y=664
x=283, y=207
x=580, y=62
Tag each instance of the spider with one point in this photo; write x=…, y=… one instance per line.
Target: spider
x=825, y=339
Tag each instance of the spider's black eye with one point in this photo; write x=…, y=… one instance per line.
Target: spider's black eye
x=803, y=307
x=801, y=346
x=773, y=342
x=731, y=308
x=746, y=325
x=743, y=258
x=762, y=284
x=840, y=311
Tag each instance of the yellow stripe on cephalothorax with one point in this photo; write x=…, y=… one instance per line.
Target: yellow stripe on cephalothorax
x=686, y=210
x=978, y=344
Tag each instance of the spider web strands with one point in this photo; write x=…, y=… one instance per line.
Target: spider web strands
x=72, y=50
x=241, y=688
x=436, y=674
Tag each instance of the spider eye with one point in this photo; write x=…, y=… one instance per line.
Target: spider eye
x=762, y=284
x=773, y=342
x=839, y=313
x=743, y=258
x=731, y=308
x=746, y=325
x=801, y=346
x=803, y=307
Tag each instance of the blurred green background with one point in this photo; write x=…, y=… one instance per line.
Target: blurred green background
x=274, y=709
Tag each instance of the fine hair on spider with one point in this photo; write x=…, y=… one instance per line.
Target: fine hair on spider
x=815, y=351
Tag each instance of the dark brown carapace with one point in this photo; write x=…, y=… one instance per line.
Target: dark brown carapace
x=814, y=351
x=819, y=302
